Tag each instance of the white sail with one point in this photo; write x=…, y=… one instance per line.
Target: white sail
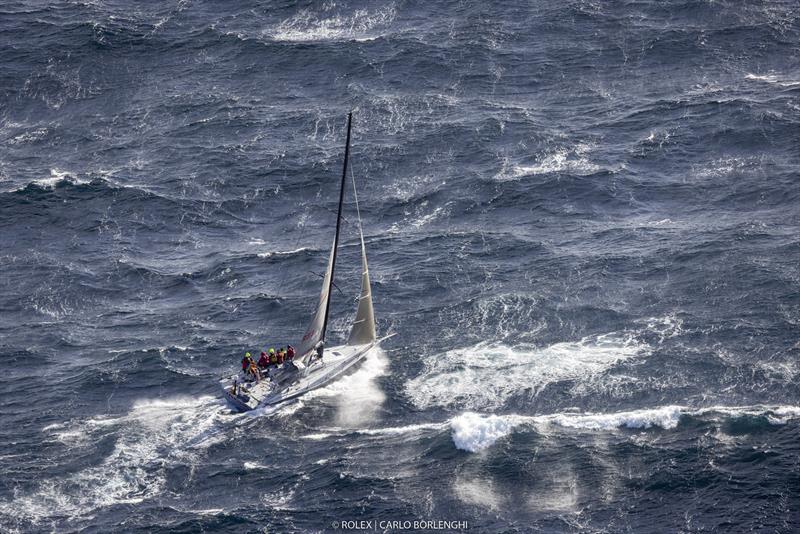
x=363, y=330
x=316, y=330
x=364, y=326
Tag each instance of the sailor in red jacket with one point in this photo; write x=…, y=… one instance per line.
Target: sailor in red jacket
x=246, y=361
x=263, y=361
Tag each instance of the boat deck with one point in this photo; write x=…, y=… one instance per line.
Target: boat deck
x=286, y=382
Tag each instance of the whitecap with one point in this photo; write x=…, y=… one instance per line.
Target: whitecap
x=281, y=252
x=473, y=432
x=250, y=466
x=29, y=136
x=307, y=26
x=572, y=160
x=57, y=176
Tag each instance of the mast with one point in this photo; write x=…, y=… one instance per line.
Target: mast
x=338, y=226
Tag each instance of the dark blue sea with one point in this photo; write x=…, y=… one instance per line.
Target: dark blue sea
x=583, y=224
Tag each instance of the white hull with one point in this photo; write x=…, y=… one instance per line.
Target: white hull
x=283, y=384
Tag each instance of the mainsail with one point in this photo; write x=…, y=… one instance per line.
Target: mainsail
x=363, y=331
x=316, y=330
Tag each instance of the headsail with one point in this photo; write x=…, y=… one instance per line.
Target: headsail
x=316, y=330
x=363, y=331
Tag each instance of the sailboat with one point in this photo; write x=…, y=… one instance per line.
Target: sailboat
x=315, y=365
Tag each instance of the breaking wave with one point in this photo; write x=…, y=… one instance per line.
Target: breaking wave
x=56, y=177
x=473, y=432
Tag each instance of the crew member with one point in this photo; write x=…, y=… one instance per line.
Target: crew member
x=249, y=366
x=254, y=371
x=263, y=361
x=290, y=352
x=246, y=361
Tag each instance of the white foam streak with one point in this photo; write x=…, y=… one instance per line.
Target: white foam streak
x=774, y=79
x=665, y=417
x=281, y=253
x=397, y=430
x=251, y=466
x=387, y=431
x=488, y=374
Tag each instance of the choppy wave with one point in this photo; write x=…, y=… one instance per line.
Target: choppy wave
x=602, y=194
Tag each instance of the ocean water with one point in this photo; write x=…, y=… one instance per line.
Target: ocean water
x=582, y=220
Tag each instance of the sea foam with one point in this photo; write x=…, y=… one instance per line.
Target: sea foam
x=486, y=375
